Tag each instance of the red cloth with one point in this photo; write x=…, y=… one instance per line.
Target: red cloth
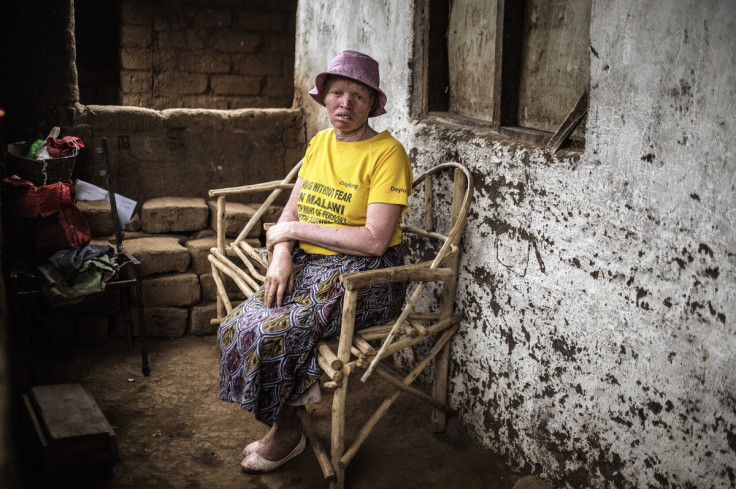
x=66, y=146
x=40, y=221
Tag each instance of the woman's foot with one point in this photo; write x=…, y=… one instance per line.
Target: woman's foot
x=284, y=441
x=256, y=464
x=274, y=449
x=280, y=444
x=258, y=444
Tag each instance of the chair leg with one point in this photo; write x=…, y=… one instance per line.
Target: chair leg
x=314, y=440
x=141, y=321
x=338, y=434
x=439, y=388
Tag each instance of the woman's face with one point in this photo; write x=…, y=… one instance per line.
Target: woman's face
x=348, y=103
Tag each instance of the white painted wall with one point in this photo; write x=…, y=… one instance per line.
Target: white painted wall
x=599, y=288
x=381, y=29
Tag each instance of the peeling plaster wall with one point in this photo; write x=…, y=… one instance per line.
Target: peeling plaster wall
x=599, y=288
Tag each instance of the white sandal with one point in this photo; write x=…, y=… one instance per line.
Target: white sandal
x=255, y=464
x=252, y=447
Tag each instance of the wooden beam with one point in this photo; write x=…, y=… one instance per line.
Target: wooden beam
x=570, y=123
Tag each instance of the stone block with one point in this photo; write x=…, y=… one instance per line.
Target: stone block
x=276, y=87
x=159, y=255
x=260, y=64
x=205, y=61
x=236, y=217
x=129, y=234
x=165, y=322
x=135, y=36
x=133, y=84
x=235, y=85
x=200, y=318
x=261, y=21
x=98, y=216
x=174, y=215
x=242, y=43
x=103, y=240
x=213, y=17
x=176, y=84
x=272, y=214
x=180, y=289
x=173, y=43
x=136, y=59
x=134, y=224
x=199, y=249
x=131, y=13
x=205, y=233
x=209, y=289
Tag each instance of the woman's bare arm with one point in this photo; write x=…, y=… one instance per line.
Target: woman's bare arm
x=370, y=239
x=279, y=279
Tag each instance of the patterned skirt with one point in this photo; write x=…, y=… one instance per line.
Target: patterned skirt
x=267, y=356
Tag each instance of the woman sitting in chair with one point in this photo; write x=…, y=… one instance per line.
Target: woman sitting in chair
x=342, y=216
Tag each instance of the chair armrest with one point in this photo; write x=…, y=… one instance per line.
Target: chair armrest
x=250, y=189
x=417, y=272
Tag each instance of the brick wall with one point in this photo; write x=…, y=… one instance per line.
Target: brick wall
x=229, y=54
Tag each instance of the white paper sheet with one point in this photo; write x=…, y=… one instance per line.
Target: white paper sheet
x=87, y=191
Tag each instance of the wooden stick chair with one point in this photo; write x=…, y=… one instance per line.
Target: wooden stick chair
x=447, y=190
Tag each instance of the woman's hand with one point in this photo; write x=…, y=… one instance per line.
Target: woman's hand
x=279, y=277
x=278, y=233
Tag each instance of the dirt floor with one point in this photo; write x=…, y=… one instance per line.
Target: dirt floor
x=174, y=432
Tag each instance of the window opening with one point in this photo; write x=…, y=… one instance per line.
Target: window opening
x=519, y=66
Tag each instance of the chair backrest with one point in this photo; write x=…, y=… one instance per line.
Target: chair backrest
x=111, y=195
x=437, y=181
x=459, y=181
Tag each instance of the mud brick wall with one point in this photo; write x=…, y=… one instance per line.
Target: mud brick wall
x=229, y=54
x=187, y=152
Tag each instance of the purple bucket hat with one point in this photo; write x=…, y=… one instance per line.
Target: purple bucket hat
x=356, y=66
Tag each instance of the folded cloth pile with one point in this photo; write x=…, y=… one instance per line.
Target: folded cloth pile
x=71, y=275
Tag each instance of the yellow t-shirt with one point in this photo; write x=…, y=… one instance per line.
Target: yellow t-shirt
x=341, y=179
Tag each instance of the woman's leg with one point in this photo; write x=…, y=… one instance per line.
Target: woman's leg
x=283, y=436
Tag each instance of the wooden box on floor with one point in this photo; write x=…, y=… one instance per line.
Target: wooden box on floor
x=70, y=430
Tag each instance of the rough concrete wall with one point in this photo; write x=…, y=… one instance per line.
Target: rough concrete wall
x=232, y=54
x=598, y=287
x=186, y=152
